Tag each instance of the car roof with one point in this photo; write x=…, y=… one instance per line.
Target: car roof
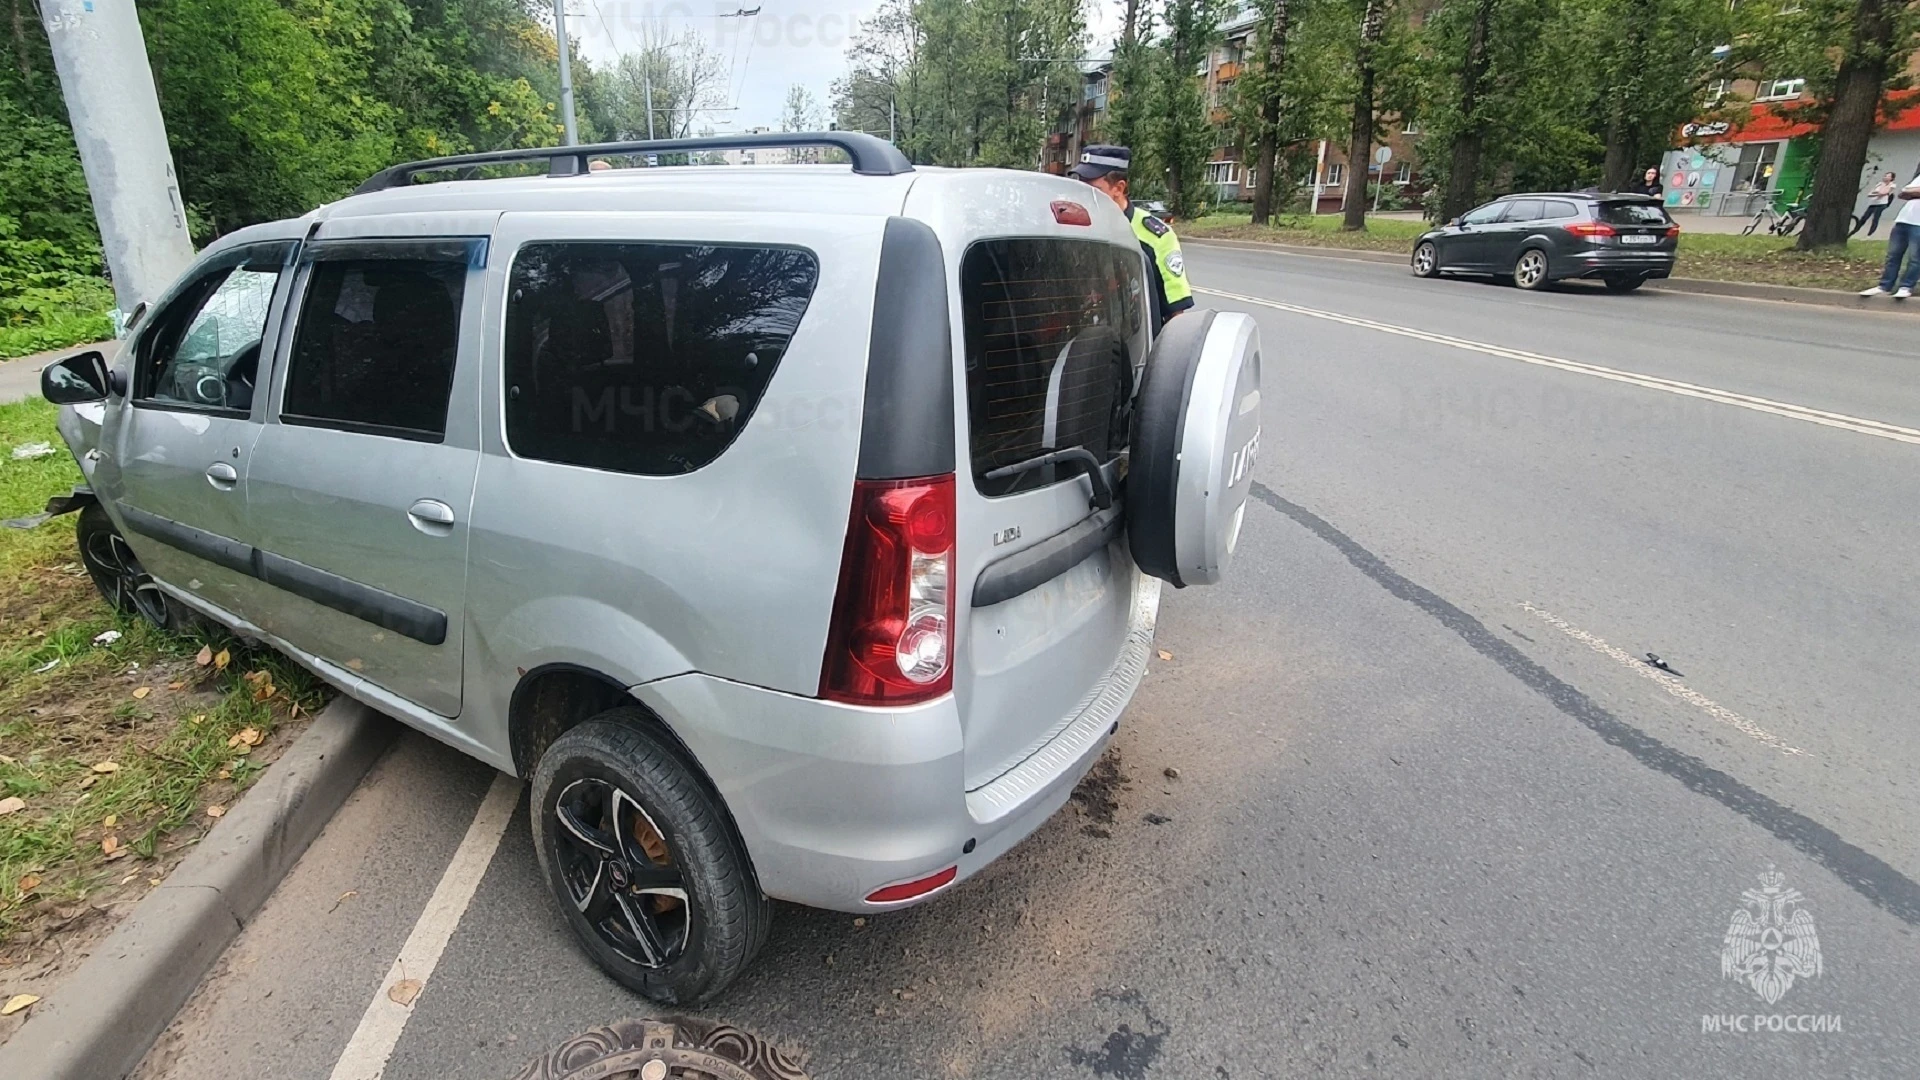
x=761, y=189
x=1591, y=196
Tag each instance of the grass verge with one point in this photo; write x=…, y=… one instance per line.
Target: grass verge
x=119, y=744
x=1760, y=259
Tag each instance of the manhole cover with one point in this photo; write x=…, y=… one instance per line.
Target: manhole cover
x=669, y=1049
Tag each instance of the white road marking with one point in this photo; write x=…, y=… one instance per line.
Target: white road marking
x=365, y=1057
x=1667, y=682
x=1856, y=424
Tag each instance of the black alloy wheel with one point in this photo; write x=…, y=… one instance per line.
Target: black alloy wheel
x=619, y=873
x=643, y=860
x=117, y=573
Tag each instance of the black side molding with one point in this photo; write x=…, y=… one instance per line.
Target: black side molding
x=906, y=425
x=1028, y=569
x=381, y=608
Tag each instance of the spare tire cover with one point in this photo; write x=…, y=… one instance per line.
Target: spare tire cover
x=1195, y=433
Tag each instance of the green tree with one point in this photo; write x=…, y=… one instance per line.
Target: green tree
x=1266, y=88
x=1852, y=53
x=1653, y=60
x=1181, y=135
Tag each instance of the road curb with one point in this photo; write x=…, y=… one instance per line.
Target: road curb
x=102, y=1020
x=1743, y=290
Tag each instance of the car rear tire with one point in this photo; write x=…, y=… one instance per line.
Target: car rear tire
x=116, y=572
x=1426, y=260
x=1531, y=271
x=1624, y=284
x=643, y=860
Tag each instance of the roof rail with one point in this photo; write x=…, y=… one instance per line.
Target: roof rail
x=871, y=155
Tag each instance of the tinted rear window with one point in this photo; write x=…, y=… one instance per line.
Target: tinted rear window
x=375, y=347
x=1054, y=331
x=1632, y=213
x=645, y=358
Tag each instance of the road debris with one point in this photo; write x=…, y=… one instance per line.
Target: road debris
x=32, y=450
x=107, y=637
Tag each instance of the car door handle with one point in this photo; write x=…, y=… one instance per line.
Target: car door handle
x=431, y=516
x=222, y=476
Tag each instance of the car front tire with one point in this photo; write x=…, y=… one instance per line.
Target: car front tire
x=643, y=861
x=1531, y=271
x=117, y=573
x=1426, y=260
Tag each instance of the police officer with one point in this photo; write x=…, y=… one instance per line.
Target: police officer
x=1105, y=167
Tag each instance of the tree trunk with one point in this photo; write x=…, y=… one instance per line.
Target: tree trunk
x=1463, y=172
x=1360, y=138
x=1850, y=120
x=1267, y=153
x=1617, y=169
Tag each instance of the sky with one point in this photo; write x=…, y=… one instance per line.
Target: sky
x=790, y=41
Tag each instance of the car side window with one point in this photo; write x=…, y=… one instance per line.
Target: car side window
x=1560, y=210
x=375, y=347
x=1484, y=215
x=645, y=358
x=204, y=350
x=1523, y=210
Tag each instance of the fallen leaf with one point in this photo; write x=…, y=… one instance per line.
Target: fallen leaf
x=29, y=883
x=129, y=877
x=5, y=760
x=404, y=991
x=216, y=810
x=112, y=820
x=264, y=689
x=224, y=774
x=119, y=853
x=176, y=686
x=1165, y=655
x=221, y=659
x=142, y=692
x=342, y=898
x=110, y=844
x=251, y=736
x=196, y=718
x=17, y=1002
x=106, y=767
x=88, y=782
x=204, y=656
x=12, y=804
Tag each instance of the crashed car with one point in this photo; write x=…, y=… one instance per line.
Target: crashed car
x=798, y=532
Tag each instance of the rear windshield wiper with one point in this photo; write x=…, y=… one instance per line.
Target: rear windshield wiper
x=1077, y=458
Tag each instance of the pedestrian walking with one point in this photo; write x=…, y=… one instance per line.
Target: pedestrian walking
x=1878, y=200
x=1903, y=240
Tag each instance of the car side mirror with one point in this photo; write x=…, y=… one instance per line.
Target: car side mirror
x=1454, y=224
x=78, y=379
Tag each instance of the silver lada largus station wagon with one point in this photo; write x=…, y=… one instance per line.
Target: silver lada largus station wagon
x=796, y=531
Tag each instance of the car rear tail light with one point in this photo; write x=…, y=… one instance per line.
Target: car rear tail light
x=1673, y=232
x=1590, y=228
x=907, y=890
x=1068, y=212
x=891, y=640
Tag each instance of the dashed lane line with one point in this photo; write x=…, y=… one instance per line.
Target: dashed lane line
x=1842, y=421
x=1667, y=682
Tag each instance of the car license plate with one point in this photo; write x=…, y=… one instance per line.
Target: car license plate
x=1634, y=239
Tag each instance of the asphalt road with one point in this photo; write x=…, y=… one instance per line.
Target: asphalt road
x=1434, y=815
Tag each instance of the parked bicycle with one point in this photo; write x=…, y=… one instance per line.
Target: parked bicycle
x=1779, y=222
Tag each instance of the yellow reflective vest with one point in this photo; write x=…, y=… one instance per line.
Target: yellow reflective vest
x=1171, y=293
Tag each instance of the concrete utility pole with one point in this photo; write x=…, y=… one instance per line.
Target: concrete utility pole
x=566, y=72
x=102, y=60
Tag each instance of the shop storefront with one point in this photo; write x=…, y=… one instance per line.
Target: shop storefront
x=1721, y=169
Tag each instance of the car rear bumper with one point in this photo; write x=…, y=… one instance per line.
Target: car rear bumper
x=835, y=801
x=1608, y=262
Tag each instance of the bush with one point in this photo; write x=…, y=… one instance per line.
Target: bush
x=51, y=294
